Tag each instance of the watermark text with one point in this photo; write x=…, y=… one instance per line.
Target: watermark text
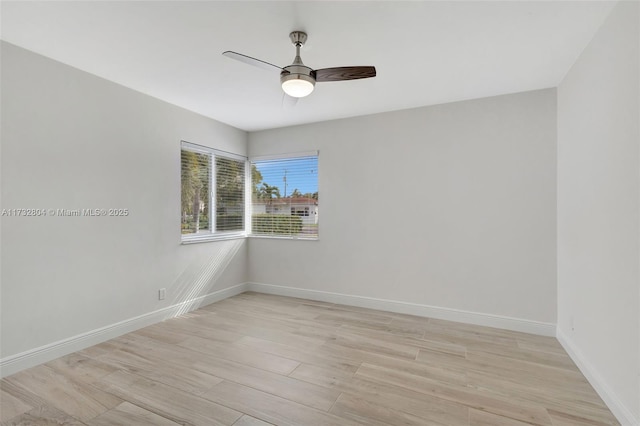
x=57, y=212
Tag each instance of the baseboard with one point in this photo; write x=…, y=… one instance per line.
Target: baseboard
x=622, y=413
x=14, y=363
x=488, y=320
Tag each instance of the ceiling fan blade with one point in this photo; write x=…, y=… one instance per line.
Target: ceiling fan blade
x=344, y=73
x=251, y=61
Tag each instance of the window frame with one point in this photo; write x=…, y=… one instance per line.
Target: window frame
x=275, y=157
x=214, y=235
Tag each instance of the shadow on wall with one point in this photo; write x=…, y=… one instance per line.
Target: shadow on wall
x=201, y=276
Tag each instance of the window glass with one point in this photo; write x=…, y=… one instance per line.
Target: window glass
x=285, y=197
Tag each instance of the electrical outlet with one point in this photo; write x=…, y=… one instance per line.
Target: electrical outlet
x=162, y=293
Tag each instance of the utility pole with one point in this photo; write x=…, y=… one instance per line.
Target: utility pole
x=285, y=183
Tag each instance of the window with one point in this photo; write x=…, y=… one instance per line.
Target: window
x=212, y=193
x=284, y=196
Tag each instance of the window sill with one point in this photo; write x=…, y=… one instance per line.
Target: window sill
x=211, y=237
x=275, y=237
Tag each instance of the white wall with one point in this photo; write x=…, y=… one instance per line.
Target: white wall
x=72, y=140
x=599, y=212
x=477, y=231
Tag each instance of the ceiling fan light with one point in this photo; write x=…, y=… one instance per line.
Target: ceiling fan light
x=297, y=85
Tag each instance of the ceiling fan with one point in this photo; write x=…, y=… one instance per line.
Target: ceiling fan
x=297, y=79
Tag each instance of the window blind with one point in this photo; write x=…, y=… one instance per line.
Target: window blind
x=229, y=194
x=284, y=199
x=212, y=192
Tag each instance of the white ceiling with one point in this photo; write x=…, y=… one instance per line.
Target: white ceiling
x=425, y=52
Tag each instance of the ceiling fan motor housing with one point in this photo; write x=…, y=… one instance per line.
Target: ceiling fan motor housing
x=297, y=72
x=297, y=80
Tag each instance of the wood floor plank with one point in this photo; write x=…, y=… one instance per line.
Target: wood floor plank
x=45, y=415
x=482, y=418
x=357, y=313
x=265, y=361
x=488, y=362
x=370, y=413
x=81, y=367
x=161, y=370
x=536, y=357
x=388, y=335
x=534, y=388
x=167, y=401
x=446, y=374
x=248, y=318
x=316, y=331
x=430, y=409
x=188, y=328
x=266, y=309
x=444, y=360
x=541, y=344
x=271, y=408
x=559, y=418
x=314, y=356
x=467, y=396
x=78, y=399
x=22, y=394
x=259, y=329
x=129, y=414
x=298, y=321
x=353, y=340
x=286, y=387
x=272, y=298
x=322, y=376
x=256, y=360
x=483, y=339
x=475, y=330
x=11, y=406
x=250, y=421
x=354, y=319
x=100, y=348
x=163, y=332
x=359, y=354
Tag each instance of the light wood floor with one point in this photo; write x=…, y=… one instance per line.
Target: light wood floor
x=256, y=359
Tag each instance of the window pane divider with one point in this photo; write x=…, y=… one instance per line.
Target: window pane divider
x=194, y=239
